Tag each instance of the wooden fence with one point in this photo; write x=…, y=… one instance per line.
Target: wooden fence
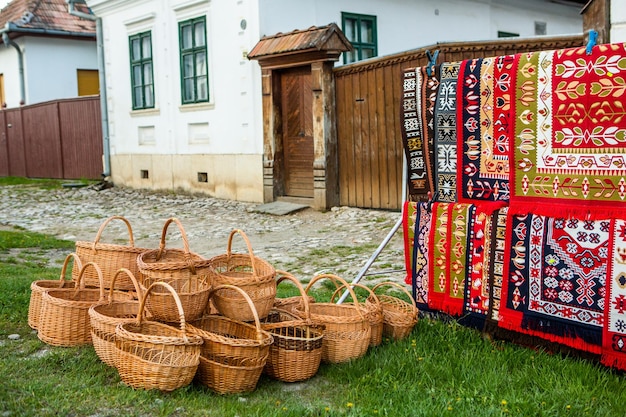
x=56, y=139
x=368, y=99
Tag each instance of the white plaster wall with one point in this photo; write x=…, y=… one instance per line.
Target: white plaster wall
x=234, y=114
x=10, y=70
x=50, y=66
x=618, y=21
x=408, y=24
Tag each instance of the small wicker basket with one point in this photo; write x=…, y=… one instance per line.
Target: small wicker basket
x=187, y=272
x=347, y=330
x=65, y=312
x=110, y=258
x=107, y=315
x=255, y=276
x=296, y=352
x=154, y=355
x=38, y=287
x=373, y=311
x=234, y=352
x=399, y=316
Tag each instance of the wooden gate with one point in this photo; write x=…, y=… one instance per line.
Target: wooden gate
x=297, y=116
x=368, y=98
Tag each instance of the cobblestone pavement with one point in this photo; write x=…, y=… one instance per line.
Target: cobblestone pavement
x=305, y=243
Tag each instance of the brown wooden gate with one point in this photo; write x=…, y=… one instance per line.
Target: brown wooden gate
x=368, y=98
x=297, y=116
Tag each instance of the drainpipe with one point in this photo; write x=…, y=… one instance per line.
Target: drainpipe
x=102, y=80
x=20, y=59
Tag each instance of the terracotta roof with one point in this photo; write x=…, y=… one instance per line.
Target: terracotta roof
x=316, y=38
x=49, y=17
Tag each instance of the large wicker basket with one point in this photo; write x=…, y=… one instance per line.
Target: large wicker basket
x=187, y=272
x=296, y=352
x=110, y=258
x=153, y=355
x=347, y=330
x=64, y=317
x=234, y=353
x=255, y=276
x=399, y=316
x=38, y=287
x=105, y=317
x=373, y=312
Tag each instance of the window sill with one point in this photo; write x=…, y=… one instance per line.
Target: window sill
x=196, y=107
x=145, y=112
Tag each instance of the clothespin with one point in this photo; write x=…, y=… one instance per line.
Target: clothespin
x=432, y=61
x=593, y=38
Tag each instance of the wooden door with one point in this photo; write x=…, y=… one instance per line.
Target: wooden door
x=297, y=131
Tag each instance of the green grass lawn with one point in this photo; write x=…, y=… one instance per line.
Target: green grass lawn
x=442, y=369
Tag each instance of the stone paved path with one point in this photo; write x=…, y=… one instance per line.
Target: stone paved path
x=305, y=243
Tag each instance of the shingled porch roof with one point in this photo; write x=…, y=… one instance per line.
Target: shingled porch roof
x=316, y=42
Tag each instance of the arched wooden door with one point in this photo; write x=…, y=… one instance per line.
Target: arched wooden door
x=297, y=131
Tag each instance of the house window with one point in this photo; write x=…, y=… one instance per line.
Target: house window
x=541, y=28
x=502, y=34
x=88, y=82
x=360, y=30
x=193, y=61
x=142, y=79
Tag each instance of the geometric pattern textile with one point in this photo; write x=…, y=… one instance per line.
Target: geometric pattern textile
x=614, y=337
x=445, y=133
x=483, y=104
x=438, y=255
x=570, y=131
x=415, y=146
x=409, y=212
x=460, y=215
x=555, y=285
x=420, y=254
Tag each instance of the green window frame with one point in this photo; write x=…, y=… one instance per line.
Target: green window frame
x=194, y=73
x=141, y=70
x=360, y=29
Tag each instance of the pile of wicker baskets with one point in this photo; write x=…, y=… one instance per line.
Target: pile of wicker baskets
x=166, y=317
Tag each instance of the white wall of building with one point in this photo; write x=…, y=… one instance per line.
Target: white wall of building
x=50, y=66
x=618, y=21
x=410, y=24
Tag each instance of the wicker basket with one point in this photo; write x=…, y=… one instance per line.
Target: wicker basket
x=253, y=275
x=110, y=258
x=64, y=317
x=296, y=352
x=373, y=312
x=154, y=355
x=185, y=271
x=38, y=287
x=107, y=315
x=234, y=353
x=347, y=330
x=399, y=317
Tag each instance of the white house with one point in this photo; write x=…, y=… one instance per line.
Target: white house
x=46, y=53
x=184, y=102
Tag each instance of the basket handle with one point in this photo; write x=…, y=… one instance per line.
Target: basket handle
x=80, y=284
x=372, y=294
x=305, y=298
x=248, y=245
x=179, y=305
x=169, y=221
x=132, y=278
x=257, y=322
x=66, y=262
x=335, y=278
x=131, y=239
x=395, y=284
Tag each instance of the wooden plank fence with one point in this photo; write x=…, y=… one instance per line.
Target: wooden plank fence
x=368, y=99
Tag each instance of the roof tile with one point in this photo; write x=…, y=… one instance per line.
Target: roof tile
x=47, y=15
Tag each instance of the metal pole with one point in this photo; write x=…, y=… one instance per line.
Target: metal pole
x=386, y=240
